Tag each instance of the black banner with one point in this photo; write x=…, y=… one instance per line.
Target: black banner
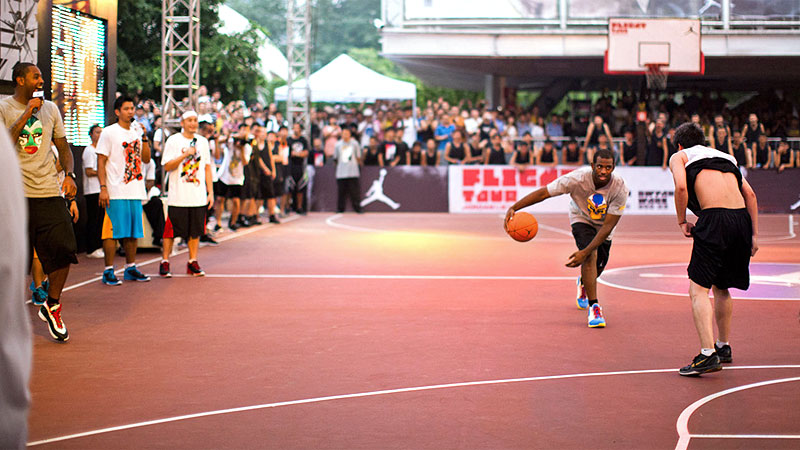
x=776, y=192
x=401, y=188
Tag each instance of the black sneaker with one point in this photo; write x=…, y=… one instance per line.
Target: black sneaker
x=724, y=353
x=234, y=226
x=52, y=315
x=217, y=228
x=163, y=270
x=208, y=240
x=701, y=364
x=273, y=219
x=193, y=269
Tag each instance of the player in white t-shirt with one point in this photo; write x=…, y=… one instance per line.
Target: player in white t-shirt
x=187, y=160
x=121, y=150
x=598, y=198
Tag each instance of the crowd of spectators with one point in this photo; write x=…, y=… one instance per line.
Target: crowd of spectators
x=761, y=132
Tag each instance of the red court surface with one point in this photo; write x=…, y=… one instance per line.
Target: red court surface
x=418, y=331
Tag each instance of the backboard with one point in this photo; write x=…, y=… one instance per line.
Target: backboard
x=634, y=44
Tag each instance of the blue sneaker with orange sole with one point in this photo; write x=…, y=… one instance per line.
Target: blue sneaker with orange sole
x=596, y=319
x=133, y=274
x=582, y=299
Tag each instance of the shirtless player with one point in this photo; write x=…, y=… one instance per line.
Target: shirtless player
x=708, y=182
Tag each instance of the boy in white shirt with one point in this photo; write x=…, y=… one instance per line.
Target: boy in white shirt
x=121, y=150
x=187, y=160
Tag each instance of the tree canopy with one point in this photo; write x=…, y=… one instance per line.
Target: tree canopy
x=229, y=63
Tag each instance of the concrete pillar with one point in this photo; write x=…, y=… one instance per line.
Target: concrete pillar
x=493, y=90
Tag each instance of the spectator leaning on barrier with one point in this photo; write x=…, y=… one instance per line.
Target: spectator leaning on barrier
x=373, y=156
x=547, y=155
x=628, y=150
x=762, y=153
x=457, y=150
x=522, y=157
x=573, y=154
x=34, y=125
x=784, y=157
x=740, y=151
x=431, y=155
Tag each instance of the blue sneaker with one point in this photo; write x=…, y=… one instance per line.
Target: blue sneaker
x=133, y=274
x=582, y=299
x=39, y=294
x=596, y=319
x=110, y=278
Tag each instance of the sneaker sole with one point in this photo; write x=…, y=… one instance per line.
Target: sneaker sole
x=697, y=373
x=196, y=274
x=142, y=280
x=165, y=275
x=118, y=283
x=726, y=360
x=599, y=325
x=53, y=335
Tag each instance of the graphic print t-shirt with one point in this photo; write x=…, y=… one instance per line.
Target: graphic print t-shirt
x=123, y=148
x=33, y=146
x=588, y=204
x=187, y=183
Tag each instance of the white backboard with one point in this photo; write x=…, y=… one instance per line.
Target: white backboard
x=634, y=43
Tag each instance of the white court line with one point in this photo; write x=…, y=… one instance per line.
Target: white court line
x=374, y=394
x=331, y=221
x=683, y=420
x=377, y=277
x=180, y=252
x=676, y=294
x=746, y=436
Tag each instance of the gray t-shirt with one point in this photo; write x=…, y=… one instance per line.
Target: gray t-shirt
x=15, y=323
x=33, y=146
x=590, y=205
x=347, y=155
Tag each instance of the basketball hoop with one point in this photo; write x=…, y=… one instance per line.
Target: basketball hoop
x=656, y=76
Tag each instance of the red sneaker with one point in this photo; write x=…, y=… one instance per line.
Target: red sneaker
x=194, y=269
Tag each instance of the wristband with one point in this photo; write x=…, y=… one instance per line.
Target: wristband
x=72, y=175
x=103, y=186
x=681, y=223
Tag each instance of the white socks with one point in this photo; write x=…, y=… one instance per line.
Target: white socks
x=707, y=351
x=720, y=343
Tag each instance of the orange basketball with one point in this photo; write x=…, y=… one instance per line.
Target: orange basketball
x=522, y=227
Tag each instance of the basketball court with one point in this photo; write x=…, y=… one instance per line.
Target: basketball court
x=405, y=330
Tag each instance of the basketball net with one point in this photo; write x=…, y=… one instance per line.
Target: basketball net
x=656, y=76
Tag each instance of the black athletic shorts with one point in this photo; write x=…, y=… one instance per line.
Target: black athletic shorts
x=721, y=251
x=233, y=190
x=219, y=189
x=584, y=234
x=185, y=222
x=267, y=187
x=50, y=233
x=278, y=183
x=251, y=187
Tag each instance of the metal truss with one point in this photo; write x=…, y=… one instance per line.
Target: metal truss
x=298, y=52
x=180, y=58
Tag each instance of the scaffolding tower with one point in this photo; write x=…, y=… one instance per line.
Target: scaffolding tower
x=298, y=52
x=180, y=58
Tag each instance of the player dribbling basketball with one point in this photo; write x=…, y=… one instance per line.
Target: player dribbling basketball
x=598, y=199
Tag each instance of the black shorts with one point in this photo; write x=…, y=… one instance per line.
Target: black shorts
x=251, y=187
x=297, y=182
x=721, y=251
x=278, y=182
x=584, y=234
x=219, y=189
x=185, y=222
x=50, y=233
x=233, y=190
x=267, y=187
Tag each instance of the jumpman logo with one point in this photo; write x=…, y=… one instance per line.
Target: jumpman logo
x=375, y=193
x=795, y=205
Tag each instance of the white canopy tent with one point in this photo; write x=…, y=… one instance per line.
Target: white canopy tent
x=344, y=80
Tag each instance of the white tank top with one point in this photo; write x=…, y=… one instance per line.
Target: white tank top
x=699, y=152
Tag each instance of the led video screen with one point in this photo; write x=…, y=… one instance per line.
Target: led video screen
x=78, y=63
